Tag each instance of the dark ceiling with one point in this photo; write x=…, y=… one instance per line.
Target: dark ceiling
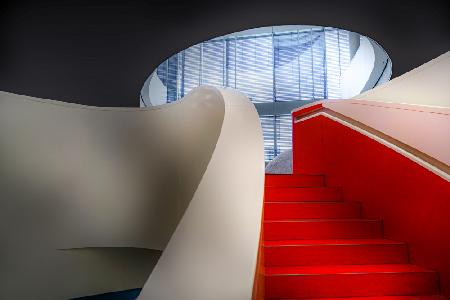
x=100, y=52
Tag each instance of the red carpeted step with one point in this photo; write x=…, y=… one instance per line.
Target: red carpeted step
x=291, y=180
x=299, y=194
x=334, y=252
x=349, y=281
x=312, y=210
x=418, y=297
x=309, y=229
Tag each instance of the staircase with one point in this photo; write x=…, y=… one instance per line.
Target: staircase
x=318, y=246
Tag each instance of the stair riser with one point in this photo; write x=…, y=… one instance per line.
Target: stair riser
x=295, y=180
x=302, y=194
x=322, y=230
x=335, y=255
x=351, y=285
x=280, y=211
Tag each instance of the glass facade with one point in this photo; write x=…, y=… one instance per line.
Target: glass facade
x=271, y=67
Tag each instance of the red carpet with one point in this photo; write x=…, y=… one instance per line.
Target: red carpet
x=318, y=246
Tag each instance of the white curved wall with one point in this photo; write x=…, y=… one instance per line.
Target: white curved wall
x=213, y=252
x=413, y=108
x=382, y=68
x=358, y=73
x=425, y=85
x=76, y=177
x=369, y=67
x=153, y=92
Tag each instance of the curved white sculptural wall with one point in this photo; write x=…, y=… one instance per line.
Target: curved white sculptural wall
x=212, y=254
x=85, y=191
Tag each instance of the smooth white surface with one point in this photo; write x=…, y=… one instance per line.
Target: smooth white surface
x=382, y=69
x=73, y=176
x=358, y=73
x=213, y=252
x=77, y=181
x=426, y=85
x=153, y=92
x=105, y=177
x=157, y=91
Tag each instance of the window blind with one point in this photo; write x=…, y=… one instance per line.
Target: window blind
x=254, y=68
x=277, y=66
x=190, y=69
x=213, y=63
x=286, y=65
x=283, y=127
x=268, y=128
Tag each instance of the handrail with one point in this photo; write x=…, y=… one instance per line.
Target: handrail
x=322, y=109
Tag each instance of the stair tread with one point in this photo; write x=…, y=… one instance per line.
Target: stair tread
x=303, y=187
x=310, y=229
x=315, y=202
x=312, y=210
x=289, y=180
x=333, y=242
x=344, y=269
x=418, y=297
x=321, y=220
x=292, y=175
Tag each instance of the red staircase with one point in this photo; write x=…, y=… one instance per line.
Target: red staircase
x=318, y=246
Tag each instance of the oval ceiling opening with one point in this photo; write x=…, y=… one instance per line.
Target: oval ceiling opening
x=279, y=68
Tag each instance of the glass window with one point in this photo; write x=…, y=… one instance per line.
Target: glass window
x=268, y=128
x=286, y=65
x=276, y=66
x=254, y=68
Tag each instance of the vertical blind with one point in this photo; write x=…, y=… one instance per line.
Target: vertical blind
x=277, y=66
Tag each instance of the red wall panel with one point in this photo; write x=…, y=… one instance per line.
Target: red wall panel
x=413, y=202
